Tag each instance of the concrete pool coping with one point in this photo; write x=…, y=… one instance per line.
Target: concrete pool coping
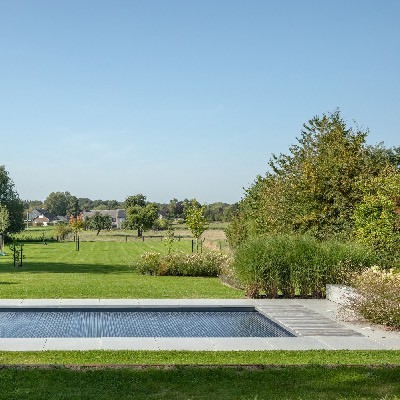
x=313, y=321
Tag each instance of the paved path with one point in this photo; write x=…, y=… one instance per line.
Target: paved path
x=312, y=321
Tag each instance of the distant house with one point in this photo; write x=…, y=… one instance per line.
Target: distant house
x=40, y=216
x=118, y=217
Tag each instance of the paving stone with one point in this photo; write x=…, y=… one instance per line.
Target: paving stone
x=145, y=343
x=241, y=344
x=80, y=303
x=40, y=303
x=298, y=343
x=73, y=344
x=192, y=344
x=10, y=302
x=27, y=344
x=355, y=343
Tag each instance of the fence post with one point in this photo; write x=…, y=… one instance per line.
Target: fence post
x=192, y=246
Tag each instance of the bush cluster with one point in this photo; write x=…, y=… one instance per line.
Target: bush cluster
x=295, y=265
x=378, y=298
x=182, y=264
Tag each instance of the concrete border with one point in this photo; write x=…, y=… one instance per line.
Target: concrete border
x=313, y=321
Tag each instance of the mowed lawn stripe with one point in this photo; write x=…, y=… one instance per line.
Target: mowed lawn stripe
x=99, y=270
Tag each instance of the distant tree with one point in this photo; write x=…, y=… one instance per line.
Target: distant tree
x=140, y=214
x=99, y=222
x=230, y=212
x=72, y=205
x=189, y=203
x=136, y=200
x=163, y=210
x=85, y=204
x=195, y=220
x=62, y=203
x=101, y=207
x=176, y=209
x=63, y=230
x=10, y=199
x=4, y=224
x=217, y=211
x=29, y=205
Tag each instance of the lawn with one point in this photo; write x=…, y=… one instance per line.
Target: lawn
x=194, y=382
x=99, y=270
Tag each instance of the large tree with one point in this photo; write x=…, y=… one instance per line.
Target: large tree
x=314, y=188
x=10, y=199
x=140, y=214
x=62, y=203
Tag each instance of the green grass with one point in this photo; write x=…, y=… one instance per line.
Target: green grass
x=99, y=270
x=275, y=357
x=314, y=374
x=307, y=382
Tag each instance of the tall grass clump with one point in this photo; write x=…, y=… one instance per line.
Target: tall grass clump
x=295, y=265
x=378, y=296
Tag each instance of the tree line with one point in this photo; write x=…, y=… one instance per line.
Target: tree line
x=63, y=203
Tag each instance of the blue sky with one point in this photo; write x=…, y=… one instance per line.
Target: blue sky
x=187, y=98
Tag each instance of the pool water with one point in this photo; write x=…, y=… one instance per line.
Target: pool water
x=90, y=323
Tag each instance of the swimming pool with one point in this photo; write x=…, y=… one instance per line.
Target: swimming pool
x=98, y=322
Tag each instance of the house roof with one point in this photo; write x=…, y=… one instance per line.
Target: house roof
x=112, y=213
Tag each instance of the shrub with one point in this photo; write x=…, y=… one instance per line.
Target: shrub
x=293, y=265
x=183, y=264
x=378, y=297
x=63, y=231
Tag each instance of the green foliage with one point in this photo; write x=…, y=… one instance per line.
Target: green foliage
x=99, y=222
x=10, y=199
x=161, y=224
x=4, y=224
x=4, y=219
x=62, y=203
x=293, y=265
x=140, y=214
x=316, y=187
x=63, y=231
x=206, y=264
x=169, y=239
x=195, y=219
x=86, y=204
x=219, y=211
x=136, y=200
x=377, y=216
x=378, y=298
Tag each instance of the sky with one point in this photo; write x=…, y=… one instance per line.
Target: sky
x=184, y=98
